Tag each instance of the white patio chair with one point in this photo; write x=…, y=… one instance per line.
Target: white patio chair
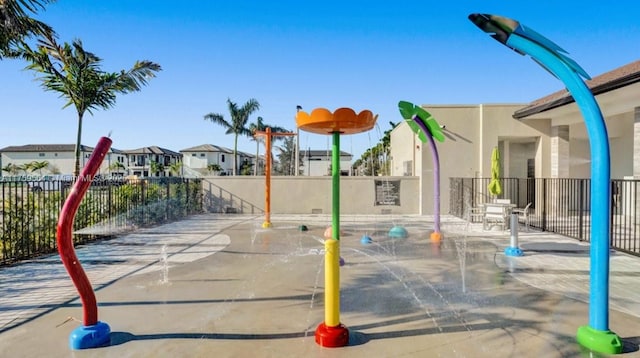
x=495, y=214
x=523, y=213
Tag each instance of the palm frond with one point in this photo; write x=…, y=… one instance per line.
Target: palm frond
x=251, y=106
x=136, y=77
x=245, y=132
x=76, y=75
x=217, y=119
x=18, y=25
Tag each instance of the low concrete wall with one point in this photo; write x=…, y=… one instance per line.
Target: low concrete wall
x=308, y=195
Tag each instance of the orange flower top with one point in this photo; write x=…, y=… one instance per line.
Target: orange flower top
x=343, y=120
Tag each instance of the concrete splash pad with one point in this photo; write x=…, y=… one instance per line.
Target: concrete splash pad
x=262, y=296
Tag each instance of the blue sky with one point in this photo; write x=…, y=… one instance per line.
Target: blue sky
x=358, y=54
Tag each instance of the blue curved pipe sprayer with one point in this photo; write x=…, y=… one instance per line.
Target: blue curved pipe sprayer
x=550, y=56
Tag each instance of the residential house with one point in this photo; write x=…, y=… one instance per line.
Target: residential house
x=318, y=162
x=60, y=157
x=114, y=163
x=152, y=161
x=201, y=158
x=546, y=138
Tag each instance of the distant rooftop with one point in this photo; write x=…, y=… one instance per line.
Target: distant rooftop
x=608, y=81
x=154, y=149
x=50, y=148
x=207, y=148
x=215, y=148
x=321, y=153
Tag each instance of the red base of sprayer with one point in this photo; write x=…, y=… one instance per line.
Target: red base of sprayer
x=337, y=336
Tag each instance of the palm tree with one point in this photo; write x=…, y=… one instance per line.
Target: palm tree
x=116, y=167
x=16, y=25
x=214, y=168
x=11, y=168
x=287, y=157
x=35, y=165
x=260, y=126
x=156, y=168
x=237, y=126
x=24, y=168
x=76, y=75
x=386, y=148
x=357, y=167
x=175, y=168
x=376, y=159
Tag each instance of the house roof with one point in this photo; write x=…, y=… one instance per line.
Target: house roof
x=609, y=81
x=153, y=150
x=50, y=148
x=207, y=148
x=214, y=149
x=322, y=153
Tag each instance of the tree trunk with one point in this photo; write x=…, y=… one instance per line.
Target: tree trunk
x=235, y=155
x=76, y=170
x=255, y=172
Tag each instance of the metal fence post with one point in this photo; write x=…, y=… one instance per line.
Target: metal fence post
x=581, y=211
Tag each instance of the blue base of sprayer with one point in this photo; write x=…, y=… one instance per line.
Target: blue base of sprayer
x=84, y=337
x=513, y=251
x=398, y=232
x=366, y=240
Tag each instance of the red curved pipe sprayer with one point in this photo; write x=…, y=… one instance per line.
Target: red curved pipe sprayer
x=96, y=336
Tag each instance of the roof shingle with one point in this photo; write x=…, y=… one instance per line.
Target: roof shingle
x=609, y=81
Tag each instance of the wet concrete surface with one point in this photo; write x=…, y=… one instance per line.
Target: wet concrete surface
x=262, y=296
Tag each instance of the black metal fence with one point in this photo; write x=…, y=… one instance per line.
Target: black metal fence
x=558, y=205
x=30, y=210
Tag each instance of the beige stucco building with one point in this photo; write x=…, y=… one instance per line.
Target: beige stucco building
x=60, y=158
x=200, y=157
x=318, y=162
x=546, y=138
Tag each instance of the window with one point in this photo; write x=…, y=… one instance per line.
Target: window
x=193, y=155
x=202, y=154
x=222, y=158
x=407, y=167
x=531, y=168
x=41, y=154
